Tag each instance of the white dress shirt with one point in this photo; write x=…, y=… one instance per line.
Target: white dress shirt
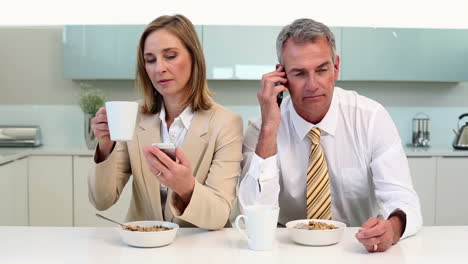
x=368, y=169
x=175, y=134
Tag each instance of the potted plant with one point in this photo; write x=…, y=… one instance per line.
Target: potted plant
x=90, y=101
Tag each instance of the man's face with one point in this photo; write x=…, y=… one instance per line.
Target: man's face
x=311, y=76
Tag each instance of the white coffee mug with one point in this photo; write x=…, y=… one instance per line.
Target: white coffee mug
x=121, y=117
x=261, y=222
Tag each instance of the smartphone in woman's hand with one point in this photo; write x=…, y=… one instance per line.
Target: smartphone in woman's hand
x=167, y=148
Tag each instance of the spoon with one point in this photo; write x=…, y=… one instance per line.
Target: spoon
x=115, y=222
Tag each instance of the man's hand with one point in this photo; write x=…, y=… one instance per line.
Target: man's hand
x=378, y=235
x=271, y=114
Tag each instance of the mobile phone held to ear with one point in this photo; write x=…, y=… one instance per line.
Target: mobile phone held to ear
x=279, y=97
x=167, y=148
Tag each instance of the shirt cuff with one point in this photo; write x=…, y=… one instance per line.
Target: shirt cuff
x=263, y=169
x=413, y=221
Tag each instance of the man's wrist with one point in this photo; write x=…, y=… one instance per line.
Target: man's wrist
x=398, y=222
x=266, y=146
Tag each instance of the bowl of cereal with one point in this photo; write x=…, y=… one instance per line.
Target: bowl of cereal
x=315, y=232
x=148, y=233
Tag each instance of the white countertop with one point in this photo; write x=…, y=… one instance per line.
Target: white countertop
x=192, y=245
x=435, y=151
x=10, y=154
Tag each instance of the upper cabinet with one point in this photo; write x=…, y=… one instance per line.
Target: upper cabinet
x=403, y=54
x=248, y=52
x=242, y=52
x=239, y=52
x=102, y=51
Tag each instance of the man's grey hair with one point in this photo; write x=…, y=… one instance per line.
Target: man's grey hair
x=304, y=30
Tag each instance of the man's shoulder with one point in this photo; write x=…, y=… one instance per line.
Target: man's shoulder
x=221, y=113
x=256, y=122
x=353, y=99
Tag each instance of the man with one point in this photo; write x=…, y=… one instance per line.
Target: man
x=326, y=153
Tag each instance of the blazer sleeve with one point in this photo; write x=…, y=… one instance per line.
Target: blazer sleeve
x=107, y=179
x=210, y=205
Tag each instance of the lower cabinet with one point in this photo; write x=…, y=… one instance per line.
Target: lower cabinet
x=84, y=211
x=14, y=193
x=452, y=187
x=423, y=173
x=50, y=191
x=441, y=183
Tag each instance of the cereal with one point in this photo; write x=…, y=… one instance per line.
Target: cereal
x=146, y=228
x=312, y=225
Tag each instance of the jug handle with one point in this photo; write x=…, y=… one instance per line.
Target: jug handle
x=460, y=118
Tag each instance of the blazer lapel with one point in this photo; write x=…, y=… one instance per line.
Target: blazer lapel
x=194, y=146
x=150, y=132
x=196, y=139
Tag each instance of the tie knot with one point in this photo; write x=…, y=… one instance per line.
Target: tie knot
x=314, y=135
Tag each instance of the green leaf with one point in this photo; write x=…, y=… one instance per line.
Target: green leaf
x=91, y=99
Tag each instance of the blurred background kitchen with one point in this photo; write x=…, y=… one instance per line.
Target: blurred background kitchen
x=416, y=68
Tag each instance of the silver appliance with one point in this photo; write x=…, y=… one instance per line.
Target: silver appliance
x=461, y=135
x=20, y=136
x=421, y=134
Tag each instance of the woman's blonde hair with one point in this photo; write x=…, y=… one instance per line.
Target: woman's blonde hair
x=198, y=94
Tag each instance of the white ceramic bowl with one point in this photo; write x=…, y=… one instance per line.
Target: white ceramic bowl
x=315, y=237
x=149, y=239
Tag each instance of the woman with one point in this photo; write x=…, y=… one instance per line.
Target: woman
x=178, y=108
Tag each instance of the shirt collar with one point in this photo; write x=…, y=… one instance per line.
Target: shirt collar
x=327, y=125
x=186, y=116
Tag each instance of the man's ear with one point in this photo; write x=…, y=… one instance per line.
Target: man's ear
x=337, y=66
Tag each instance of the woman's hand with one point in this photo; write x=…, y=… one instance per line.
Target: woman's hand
x=175, y=175
x=101, y=131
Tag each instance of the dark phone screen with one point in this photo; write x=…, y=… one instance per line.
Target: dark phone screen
x=279, y=97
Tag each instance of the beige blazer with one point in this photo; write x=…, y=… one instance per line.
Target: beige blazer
x=213, y=144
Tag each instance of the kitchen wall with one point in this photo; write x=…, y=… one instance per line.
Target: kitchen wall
x=32, y=89
x=366, y=13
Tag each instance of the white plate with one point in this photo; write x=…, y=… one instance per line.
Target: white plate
x=316, y=237
x=149, y=239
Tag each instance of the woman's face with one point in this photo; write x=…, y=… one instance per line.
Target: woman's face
x=167, y=63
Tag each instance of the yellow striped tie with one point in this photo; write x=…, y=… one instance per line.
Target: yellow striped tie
x=318, y=184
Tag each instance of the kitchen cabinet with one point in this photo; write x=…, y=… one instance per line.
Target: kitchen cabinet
x=101, y=51
x=84, y=211
x=423, y=173
x=243, y=52
x=452, y=185
x=50, y=191
x=248, y=52
x=404, y=54
x=14, y=193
